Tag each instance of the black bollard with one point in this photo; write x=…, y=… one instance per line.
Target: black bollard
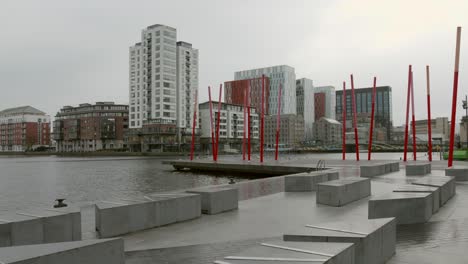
x=60, y=203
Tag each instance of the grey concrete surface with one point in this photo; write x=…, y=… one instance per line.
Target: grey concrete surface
x=56, y=226
x=418, y=169
x=343, y=191
x=411, y=188
x=75, y=213
x=378, y=169
x=215, y=200
x=281, y=252
x=407, y=208
x=258, y=187
x=187, y=205
x=77, y=252
x=460, y=174
x=445, y=183
x=374, y=240
x=24, y=230
x=304, y=182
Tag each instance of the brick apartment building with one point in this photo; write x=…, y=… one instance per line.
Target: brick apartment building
x=23, y=128
x=234, y=93
x=91, y=127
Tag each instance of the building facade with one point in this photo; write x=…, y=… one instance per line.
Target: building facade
x=291, y=131
x=153, y=137
x=23, y=128
x=328, y=131
x=90, y=127
x=324, y=102
x=439, y=128
x=283, y=76
x=363, y=96
x=305, y=105
x=163, y=79
x=234, y=92
x=231, y=128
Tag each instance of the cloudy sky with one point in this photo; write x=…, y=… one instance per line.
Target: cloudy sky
x=55, y=53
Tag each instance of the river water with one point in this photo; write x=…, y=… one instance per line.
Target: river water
x=37, y=181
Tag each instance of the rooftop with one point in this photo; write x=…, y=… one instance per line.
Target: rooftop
x=21, y=110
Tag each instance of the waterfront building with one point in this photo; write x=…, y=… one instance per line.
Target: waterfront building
x=231, y=129
x=163, y=80
x=279, y=75
x=324, y=102
x=234, y=92
x=291, y=131
x=439, y=128
x=24, y=128
x=89, y=127
x=363, y=97
x=328, y=132
x=154, y=137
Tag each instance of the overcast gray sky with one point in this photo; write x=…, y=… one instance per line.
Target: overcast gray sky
x=57, y=52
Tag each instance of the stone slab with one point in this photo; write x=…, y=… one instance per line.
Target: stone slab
x=215, y=200
x=24, y=230
x=407, y=208
x=418, y=169
x=374, y=240
x=77, y=252
x=282, y=252
x=445, y=183
x=343, y=191
x=411, y=188
x=460, y=174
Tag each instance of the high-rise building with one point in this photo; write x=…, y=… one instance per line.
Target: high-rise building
x=324, y=102
x=279, y=75
x=305, y=105
x=363, y=97
x=234, y=92
x=163, y=79
x=23, y=128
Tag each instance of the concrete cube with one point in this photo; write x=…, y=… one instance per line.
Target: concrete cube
x=304, y=182
x=112, y=218
x=5, y=234
x=282, y=252
x=407, y=208
x=343, y=191
x=371, y=170
x=188, y=205
x=435, y=191
x=57, y=226
x=374, y=240
x=217, y=200
x=166, y=209
x=333, y=175
x=460, y=174
x=75, y=213
x=77, y=252
x=418, y=169
x=24, y=230
x=445, y=183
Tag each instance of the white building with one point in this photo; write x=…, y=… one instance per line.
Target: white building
x=163, y=79
x=279, y=75
x=330, y=101
x=328, y=131
x=305, y=105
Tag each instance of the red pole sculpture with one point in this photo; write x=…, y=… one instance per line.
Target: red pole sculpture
x=414, y=121
x=244, y=126
x=429, y=128
x=262, y=119
x=192, y=148
x=356, y=139
x=248, y=120
x=369, y=151
x=278, y=119
x=407, y=114
x=454, y=99
x=343, y=110
x=219, y=121
x=211, y=123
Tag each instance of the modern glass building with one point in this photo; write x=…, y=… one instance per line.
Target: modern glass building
x=383, y=107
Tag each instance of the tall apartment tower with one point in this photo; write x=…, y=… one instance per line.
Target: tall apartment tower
x=279, y=75
x=163, y=78
x=305, y=105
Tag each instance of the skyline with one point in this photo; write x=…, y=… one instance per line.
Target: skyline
x=58, y=55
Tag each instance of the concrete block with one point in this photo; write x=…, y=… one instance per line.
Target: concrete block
x=5, y=234
x=112, y=218
x=166, y=209
x=372, y=170
x=374, y=240
x=343, y=191
x=333, y=175
x=445, y=183
x=24, y=230
x=460, y=174
x=77, y=252
x=282, y=252
x=57, y=226
x=304, y=182
x=435, y=191
x=188, y=205
x=418, y=169
x=75, y=213
x=216, y=200
x=407, y=208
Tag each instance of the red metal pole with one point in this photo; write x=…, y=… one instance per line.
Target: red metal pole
x=407, y=114
x=413, y=119
x=211, y=124
x=278, y=120
x=262, y=118
x=343, y=110
x=356, y=136
x=369, y=151
x=248, y=120
x=219, y=121
x=244, y=124
x=454, y=99
x=192, y=149
x=429, y=128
